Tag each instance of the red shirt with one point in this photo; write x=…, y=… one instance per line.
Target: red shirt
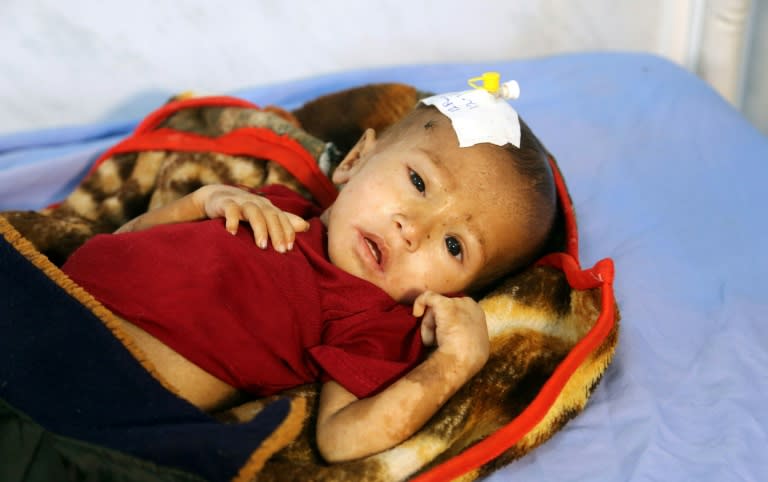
x=257, y=319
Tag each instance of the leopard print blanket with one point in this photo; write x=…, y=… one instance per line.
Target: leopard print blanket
x=540, y=314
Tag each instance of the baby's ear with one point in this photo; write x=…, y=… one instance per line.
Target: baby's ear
x=355, y=158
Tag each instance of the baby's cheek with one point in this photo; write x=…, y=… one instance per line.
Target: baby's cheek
x=435, y=278
x=408, y=287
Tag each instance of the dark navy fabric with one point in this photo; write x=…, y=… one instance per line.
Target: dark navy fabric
x=63, y=368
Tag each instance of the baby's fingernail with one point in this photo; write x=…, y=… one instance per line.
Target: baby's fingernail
x=290, y=246
x=280, y=248
x=262, y=243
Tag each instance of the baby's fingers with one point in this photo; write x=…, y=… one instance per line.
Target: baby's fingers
x=428, y=329
x=423, y=301
x=271, y=224
x=298, y=223
x=281, y=231
x=289, y=232
x=285, y=226
x=258, y=224
x=232, y=213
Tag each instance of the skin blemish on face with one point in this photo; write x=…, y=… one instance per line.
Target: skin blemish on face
x=430, y=124
x=481, y=241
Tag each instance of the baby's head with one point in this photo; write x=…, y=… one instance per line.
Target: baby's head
x=417, y=212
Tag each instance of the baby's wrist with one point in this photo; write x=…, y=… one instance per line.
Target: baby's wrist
x=200, y=196
x=464, y=362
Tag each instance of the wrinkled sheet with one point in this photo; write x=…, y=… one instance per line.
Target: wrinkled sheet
x=666, y=179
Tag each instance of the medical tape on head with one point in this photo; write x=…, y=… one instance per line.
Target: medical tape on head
x=479, y=116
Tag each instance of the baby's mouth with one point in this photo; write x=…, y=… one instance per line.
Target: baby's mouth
x=375, y=251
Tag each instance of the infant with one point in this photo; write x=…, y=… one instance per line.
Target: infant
x=231, y=292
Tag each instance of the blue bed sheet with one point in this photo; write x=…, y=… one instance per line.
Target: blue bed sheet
x=667, y=179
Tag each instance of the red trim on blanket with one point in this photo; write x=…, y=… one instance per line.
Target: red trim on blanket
x=256, y=142
x=599, y=276
x=564, y=199
x=155, y=118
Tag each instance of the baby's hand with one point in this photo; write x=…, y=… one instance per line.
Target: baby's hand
x=267, y=221
x=456, y=325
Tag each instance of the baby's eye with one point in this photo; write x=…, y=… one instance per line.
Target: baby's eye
x=417, y=181
x=453, y=246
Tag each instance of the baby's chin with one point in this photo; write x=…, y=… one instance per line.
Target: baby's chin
x=407, y=295
x=404, y=296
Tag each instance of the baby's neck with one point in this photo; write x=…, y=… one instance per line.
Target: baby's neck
x=325, y=217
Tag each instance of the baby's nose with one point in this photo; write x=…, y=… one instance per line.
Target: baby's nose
x=411, y=230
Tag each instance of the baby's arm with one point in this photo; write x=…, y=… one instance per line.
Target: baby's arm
x=233, y=204
x=349, y=428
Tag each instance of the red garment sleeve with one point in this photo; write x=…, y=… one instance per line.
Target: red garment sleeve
x=367, y=352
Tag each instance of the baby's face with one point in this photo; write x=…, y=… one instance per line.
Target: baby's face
x=417, y=212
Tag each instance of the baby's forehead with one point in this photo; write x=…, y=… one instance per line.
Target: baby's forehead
x=490, y=167
x=424, y=117
x=428, y=121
